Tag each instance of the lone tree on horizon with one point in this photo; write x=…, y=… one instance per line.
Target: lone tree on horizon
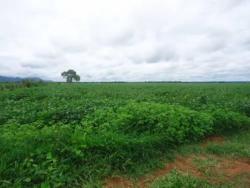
x=70, y=75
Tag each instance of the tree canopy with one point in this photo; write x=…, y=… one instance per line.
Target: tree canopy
x=70, y=75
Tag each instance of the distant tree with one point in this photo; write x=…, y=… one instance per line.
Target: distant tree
x=70, y=75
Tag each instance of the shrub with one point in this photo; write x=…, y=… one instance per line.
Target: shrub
x=226, y=121
x=177, y=124
x=245, y=108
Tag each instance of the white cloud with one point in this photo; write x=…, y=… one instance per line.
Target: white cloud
x=133, y=40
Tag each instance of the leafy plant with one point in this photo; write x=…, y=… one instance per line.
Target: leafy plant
x=69, y=135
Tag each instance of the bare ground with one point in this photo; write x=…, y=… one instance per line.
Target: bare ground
x=224, y=170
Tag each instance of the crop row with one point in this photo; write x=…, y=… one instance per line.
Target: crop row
x=106, y=141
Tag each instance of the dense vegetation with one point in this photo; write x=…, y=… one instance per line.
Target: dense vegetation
x=73, y=134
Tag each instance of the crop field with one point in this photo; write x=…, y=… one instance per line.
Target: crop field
x=124, y=135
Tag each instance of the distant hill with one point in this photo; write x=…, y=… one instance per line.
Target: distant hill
x=18, y=79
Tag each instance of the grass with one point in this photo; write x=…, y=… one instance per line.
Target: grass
x=237, y=145
x=208, y=160
x=176, y=179
x=204, y=165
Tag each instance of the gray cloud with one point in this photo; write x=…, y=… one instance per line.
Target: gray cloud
x=162, y=54
x=33, y=66
x=46, y=55
x=133, y=40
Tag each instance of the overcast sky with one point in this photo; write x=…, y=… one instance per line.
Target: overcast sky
x=126, y=40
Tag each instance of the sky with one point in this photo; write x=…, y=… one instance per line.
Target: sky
x=126, y=40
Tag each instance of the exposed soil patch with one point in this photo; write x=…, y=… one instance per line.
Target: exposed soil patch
x=232, y=168
x=213, y=139
x=223, y=171
x=118, y=182
x=181, y=164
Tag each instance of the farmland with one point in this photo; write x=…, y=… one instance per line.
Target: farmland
x=79, y=135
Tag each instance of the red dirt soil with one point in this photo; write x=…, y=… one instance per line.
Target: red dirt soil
x=180, y=164
x=118, y=182
x=228, y=168
x=225, y=170
x=213, y=139
x=232, y=168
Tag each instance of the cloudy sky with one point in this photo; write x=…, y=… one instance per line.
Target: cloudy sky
x=126, y=40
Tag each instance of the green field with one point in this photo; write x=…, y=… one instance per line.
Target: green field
x=79, y=135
